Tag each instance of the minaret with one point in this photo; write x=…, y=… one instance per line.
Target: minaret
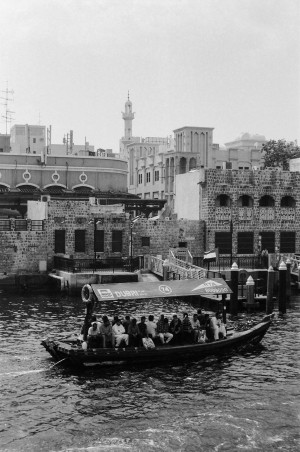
x=128, y=116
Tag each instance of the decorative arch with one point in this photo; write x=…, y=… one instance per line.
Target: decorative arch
x=182, y=165
x=245, y=201
x=288, y=201
x=83, y=188
x=4, y=187
x=266, y=201
x=54, y=185
x=28, y=186
x=192, y=163
x=223, y=201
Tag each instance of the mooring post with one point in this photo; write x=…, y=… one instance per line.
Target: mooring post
x=250, y=293
x=224, y=307
x=270, y=290
x=234, y=288
x=165, y=266
x=282, y=288
x=288, y=279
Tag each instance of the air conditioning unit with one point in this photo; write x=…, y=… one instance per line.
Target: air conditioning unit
x=92, y=201
x=45, y=198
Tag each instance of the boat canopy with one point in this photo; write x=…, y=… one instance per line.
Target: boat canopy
x=161, y=289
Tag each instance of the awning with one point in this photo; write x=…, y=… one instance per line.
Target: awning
x=160, y=289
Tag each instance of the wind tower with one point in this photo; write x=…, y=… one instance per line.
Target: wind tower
x=128, y=116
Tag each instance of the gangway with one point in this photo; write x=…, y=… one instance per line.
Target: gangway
x=177, y=268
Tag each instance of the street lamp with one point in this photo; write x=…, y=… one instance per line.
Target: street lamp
x=132, y=222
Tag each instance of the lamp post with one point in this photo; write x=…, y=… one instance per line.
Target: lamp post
x=132, y=222
x=231, y=234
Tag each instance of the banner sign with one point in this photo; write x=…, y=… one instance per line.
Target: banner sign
x=160, y=289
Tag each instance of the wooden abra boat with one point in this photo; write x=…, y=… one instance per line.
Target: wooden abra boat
x=72, y=353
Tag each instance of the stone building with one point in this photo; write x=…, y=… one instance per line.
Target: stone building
x=248, y=211
x=80, y=229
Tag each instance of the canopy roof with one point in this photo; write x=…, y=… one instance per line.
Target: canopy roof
x=160, y=289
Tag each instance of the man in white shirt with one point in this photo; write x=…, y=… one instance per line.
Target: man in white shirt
x=119, y=333
x=151, y=327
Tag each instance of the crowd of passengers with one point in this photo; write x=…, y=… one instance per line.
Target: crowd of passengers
x=202, y=327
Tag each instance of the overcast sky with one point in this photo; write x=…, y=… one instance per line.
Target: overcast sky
x=228, y=64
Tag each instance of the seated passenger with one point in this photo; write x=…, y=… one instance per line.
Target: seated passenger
x=163, y=330
x=175, y=329
x=106, y=332
x=214, y=328
x=133, y=333
x=208, y=331
x=151, y=327
x=201, y=318
x=126, y=323
x=142, y=329
x=196, y=327
x=119, y=333
x=186, y=329
x=93, y=338
x=221, y=326
x=94, y=319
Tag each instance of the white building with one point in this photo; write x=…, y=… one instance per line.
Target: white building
x=27, y=139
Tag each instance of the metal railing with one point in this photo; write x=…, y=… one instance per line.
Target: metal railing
x=16, y=224
x=74, y=265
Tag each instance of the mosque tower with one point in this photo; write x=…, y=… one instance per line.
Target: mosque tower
x=128, y=116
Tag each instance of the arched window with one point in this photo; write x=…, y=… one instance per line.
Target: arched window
x=287, y=201
x=245, y=201
x=192, y=163
x=266, y=201
x=223, y=201
x=182, y=165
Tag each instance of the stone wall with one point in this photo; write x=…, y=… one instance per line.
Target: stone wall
x=22, y=251
x=256, y=184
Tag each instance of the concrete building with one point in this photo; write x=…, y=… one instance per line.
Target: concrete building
x=4, y=142
x=27, y=139
x=155, y=163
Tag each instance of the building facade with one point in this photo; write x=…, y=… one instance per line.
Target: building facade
x=248, y=211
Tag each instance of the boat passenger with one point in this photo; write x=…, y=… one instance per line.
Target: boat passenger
x=196, y=327
x=143, y=328
x=133, y=333
x=221, y=326
x=186, y=328
x=106, y=332
x=94, y=319
x=214, y=327
x=208, y=331
x=93, y=338
x=126, y=323
x=151, y=327
x=119, y=333
x=175, y=328
x=163, y=330
x=201, y=318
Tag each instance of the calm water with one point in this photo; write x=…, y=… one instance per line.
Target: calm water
x=243, y=402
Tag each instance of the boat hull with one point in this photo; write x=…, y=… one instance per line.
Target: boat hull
x=74, y=355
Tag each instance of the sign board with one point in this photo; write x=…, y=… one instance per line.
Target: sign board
x=160, y=289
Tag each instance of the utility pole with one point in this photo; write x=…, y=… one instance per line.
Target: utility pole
x=8, y=113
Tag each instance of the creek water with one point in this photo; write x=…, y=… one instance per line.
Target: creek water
x=244, y=401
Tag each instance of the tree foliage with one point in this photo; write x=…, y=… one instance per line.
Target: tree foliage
x=277, y=154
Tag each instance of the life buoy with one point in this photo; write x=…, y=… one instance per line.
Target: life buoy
x=87, y=293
